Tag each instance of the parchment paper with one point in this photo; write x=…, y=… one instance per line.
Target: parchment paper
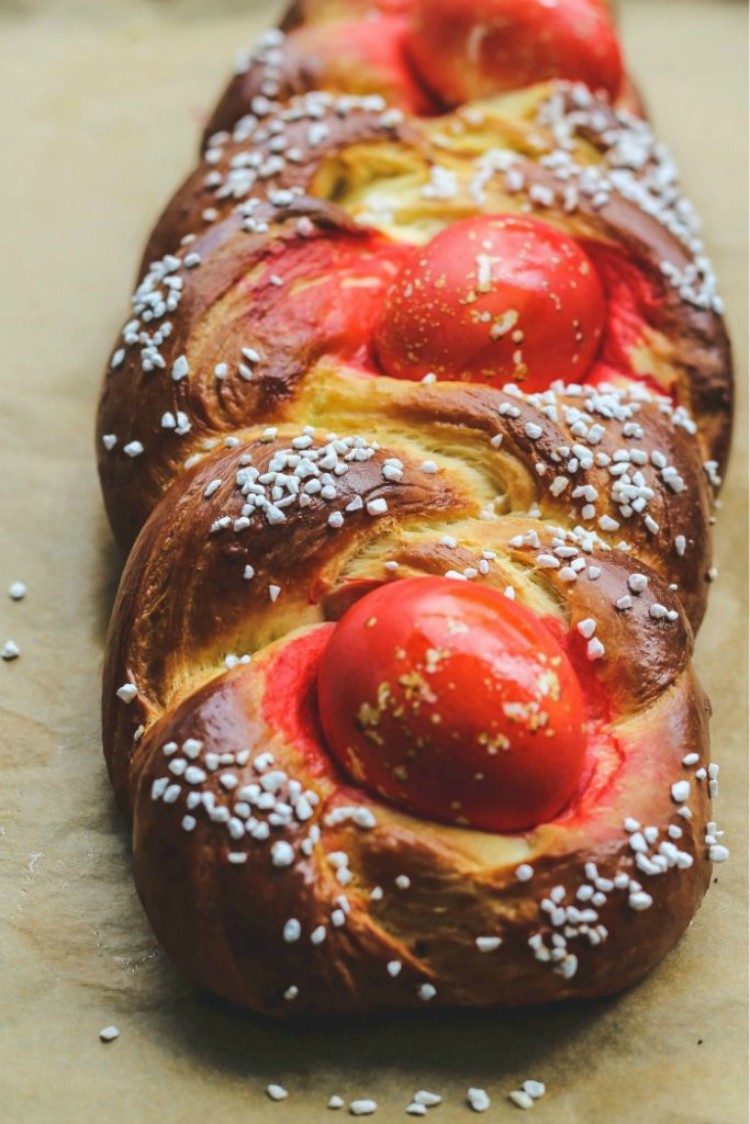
x=101, y=104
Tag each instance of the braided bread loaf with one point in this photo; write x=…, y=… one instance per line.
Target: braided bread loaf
x=415, y=429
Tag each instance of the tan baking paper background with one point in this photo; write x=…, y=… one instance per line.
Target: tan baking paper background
x=101, y=104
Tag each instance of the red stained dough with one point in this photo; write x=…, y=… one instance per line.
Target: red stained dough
x=455, y=702
x=328, y=296
x=465, y=51
x=495, y=300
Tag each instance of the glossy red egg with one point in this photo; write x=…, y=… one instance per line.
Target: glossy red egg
x=473, y=50
x=494, y=300
x=455, y=702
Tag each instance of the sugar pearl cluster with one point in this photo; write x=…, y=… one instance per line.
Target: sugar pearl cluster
x=568, y=915
x=636, y=167
x=210, y=785
x=268, y=148
x=525, y=1097
x=307, y=469
x=639, y=475
x=154, y=302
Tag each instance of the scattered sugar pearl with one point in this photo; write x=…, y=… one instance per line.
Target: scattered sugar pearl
x=521, y=1098
x=335, y=1102
x=426, y=992
x=282, y=853
x=393, y=968
x=180, y=368
x=535, y=1089
x=587, y=627
x=524, y=872
x=109, y=1033
x=478, y=1100
x=127, y=692
x=403, y=881
x=17, y=591
x=488, y=944
x=426, y=1098
x=680, y=791
x=416, y=1109
x=292, y=930
x=365, y=1107
x=276, y=1092
x=194, y=775
x=10, y=651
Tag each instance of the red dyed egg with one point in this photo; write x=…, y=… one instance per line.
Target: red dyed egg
x=455, y=702
x=473, y=50
x=496, y=300
x=366, y=56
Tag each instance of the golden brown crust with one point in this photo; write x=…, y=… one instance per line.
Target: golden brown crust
x=269, y=474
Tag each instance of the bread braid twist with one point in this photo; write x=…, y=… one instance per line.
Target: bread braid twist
x=273, y=447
